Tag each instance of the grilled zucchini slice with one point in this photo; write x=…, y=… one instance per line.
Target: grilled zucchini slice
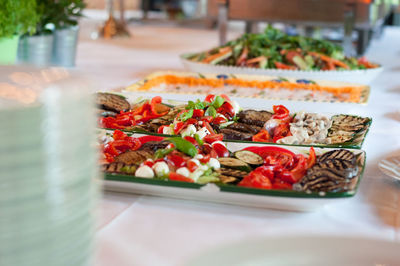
x=249, y=157
x=233, y=163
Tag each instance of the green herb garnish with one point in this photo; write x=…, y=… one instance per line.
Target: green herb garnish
x=162, y=153
x=184, y=146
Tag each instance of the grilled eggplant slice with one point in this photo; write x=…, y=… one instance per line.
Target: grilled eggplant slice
x=249, y=157
x=119, y=168
x=235, y=135
x=133, y=157
x=253, y=117
x=341, y=154
x=230, y=176
x=233, y=163
x=153, y=146
x=335, y=171
x=241, y=127
x=112, y=102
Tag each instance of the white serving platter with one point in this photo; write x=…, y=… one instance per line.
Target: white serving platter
x=354, y=76
x=230, y=194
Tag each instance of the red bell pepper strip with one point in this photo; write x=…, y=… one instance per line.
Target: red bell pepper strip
x=145, y=139
x=262, y=136
x=212, y=138
x=311, y=158
x=280, y=112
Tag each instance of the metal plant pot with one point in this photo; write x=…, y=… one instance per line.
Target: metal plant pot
x=36, y=50
x=8, y=49
x=64, y=48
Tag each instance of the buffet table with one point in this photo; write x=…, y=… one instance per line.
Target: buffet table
x=144, y=230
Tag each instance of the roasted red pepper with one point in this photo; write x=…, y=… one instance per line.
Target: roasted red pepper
x=212, y=138
x=262, y=136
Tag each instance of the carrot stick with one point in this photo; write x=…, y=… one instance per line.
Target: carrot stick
x=215, y=56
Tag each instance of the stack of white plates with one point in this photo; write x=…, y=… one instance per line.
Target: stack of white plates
x=47, y=168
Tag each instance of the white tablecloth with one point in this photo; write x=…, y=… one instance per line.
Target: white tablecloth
x=143, y=230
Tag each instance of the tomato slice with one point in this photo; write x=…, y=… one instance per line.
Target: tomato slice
x=226, y=97
x=212, y=138
x=178, y=127
x=219, y=120
x=256, y=180
x=191, y=140
x=148, y=138
x=176, y=160
x=149, y=163
x=198, y=112
x=226, y=109
x=205, y=159
x=177, y=177
x=191, y=165
x=207, y=119
x=220, y=149
x=209, y=98
x=209, y=128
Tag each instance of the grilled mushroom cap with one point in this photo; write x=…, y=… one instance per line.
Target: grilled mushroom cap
x=112, y=102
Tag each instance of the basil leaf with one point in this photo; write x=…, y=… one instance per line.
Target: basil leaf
x=184, y=146
x=162, y=153
x=198, y=139
x=186, y=115
x=218, y=102
x=211, y=111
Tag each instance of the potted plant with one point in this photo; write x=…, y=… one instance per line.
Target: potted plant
x=38, y=49
x=66, y=31
x=16, y=17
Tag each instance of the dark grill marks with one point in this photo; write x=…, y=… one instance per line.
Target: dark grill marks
x=244, y=128
x=133, y=157
x=117, y=168
x=235, y=135
x=153, y=146
x=338, y=154
x=344, y=127
x=112, y=102
x=230, y=176
x=335, y=171
x=253, y=117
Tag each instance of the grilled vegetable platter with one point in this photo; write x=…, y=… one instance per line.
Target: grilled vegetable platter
x=273, y=51
x=217, y=117
x=214, y=170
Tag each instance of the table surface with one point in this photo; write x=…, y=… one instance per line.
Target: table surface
x=144, y=230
